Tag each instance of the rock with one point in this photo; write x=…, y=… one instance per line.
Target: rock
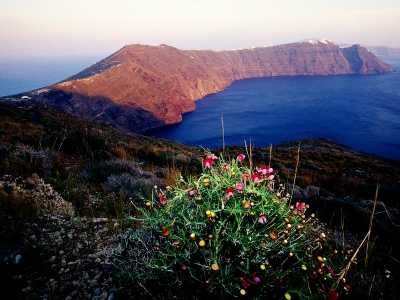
x=143, y=87
x=312, y=191
x=17, y=259
x=366, y=203
x=361, y=61
x=107, y=268
x=27, y=289
x=11, y=253
x=97, y=291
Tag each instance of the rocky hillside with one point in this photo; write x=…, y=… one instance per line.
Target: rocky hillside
x=143, y=87
x=68, y=188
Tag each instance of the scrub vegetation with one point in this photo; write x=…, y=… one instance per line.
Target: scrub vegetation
x=87, y=210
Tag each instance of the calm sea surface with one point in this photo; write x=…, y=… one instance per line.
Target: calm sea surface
x=26, y=74
x=362, y=112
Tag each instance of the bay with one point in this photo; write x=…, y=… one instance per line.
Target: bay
x=360, y=111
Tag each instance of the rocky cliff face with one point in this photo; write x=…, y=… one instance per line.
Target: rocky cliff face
x=361, y=61
x=142, y=87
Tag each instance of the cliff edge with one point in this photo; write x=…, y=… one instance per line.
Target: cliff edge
x=143, y=87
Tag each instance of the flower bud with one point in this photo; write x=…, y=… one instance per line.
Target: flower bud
x=214, y=268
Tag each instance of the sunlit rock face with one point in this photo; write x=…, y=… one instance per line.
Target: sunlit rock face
x=142, y=87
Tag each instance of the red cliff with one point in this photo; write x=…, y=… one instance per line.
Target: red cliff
x=141, y=87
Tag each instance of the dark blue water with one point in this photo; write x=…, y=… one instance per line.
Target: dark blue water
x=360, y=111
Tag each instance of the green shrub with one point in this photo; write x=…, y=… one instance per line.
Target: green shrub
x=227, y=233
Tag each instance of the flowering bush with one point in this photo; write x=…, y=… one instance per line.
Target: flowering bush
x=231, y=233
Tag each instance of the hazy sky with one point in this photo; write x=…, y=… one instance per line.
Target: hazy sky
x=101, y=27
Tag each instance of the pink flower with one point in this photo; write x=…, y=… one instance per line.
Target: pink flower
x=241, y=157
x=212, y=156
x=301, y=206
x=333, y=295
x=207, y=163
x=162, y=198
x=265, y=171
x=270, y=177
x=245, y=177
x=262, y=219
x=254, y=277
x=229, y=192
x=239, y=187
x=255, y=177
x=226, y=167
x=192, y=193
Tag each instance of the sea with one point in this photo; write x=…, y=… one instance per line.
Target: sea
x=19, y=75
x=359, y=111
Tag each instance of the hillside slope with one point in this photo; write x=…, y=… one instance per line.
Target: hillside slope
x=50, y=160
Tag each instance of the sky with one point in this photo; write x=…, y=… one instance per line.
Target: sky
x=87, y=27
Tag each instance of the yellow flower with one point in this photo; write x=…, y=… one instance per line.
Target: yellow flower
x=303, y=267
x=193, y=236
x=208, y=214
x=214, y=268
x=287, y=296
x=262, y=267
x=202, y=243
x=242, y=292
x=213, y=214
